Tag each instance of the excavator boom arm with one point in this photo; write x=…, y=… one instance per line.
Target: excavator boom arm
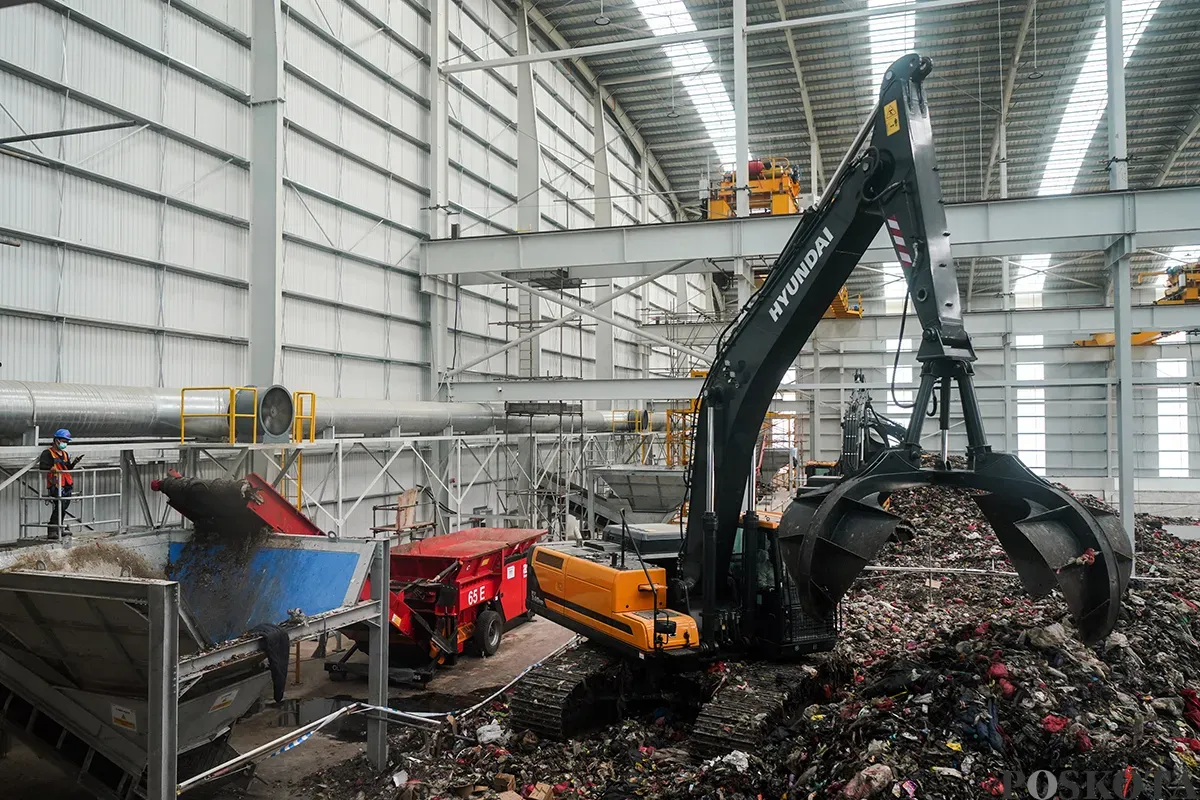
x=887, y=180
x=893, y=182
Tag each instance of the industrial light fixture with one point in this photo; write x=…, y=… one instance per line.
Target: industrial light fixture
x=671, y=112
x=1035, y=74
x=602, y=20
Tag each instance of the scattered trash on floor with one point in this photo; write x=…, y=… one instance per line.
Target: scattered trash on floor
x=946, y=688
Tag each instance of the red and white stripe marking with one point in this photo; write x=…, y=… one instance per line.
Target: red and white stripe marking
x=898, y=241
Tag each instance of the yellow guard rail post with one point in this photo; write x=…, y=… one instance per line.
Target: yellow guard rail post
x=231, y=412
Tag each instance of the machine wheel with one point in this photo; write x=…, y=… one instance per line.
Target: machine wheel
x=489, y=626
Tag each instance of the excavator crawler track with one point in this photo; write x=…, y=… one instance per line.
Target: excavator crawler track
x=574, y=689
x=739, y=716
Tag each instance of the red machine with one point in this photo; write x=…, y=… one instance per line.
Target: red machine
x=450, y=594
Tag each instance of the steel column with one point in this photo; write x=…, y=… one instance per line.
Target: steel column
x=436, y=289
x=162, y=710
x=603, y=219
x=1119, y=258
x=1118, y=163
x=266, y=192
x=644, y=187
x=529, y=186
x=529, y=189
x=379, y=633
x=814, y=421
x=1005, y=261
x=741, y=111
x=439, y=165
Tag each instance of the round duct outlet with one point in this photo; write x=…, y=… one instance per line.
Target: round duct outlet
x=275, y=413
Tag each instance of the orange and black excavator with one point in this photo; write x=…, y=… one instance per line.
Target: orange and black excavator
x=737, y=587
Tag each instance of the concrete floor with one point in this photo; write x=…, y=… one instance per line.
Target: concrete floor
x=26, y=777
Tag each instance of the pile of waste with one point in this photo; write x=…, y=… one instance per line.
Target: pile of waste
x=943, y=685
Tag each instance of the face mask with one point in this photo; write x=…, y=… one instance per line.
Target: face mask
x=61, y=445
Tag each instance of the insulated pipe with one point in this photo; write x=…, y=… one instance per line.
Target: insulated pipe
x=126, y=411
x=110, y=411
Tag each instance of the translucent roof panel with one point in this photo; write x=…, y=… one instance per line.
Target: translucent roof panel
x=1088, y=101
x=891, y=37
x=691, y=61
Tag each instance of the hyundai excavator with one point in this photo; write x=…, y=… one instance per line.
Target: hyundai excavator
x=744, y=590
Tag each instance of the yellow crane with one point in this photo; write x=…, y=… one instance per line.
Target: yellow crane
x=1181, y=287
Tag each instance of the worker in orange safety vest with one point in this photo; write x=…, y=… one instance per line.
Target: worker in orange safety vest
x=60, y=485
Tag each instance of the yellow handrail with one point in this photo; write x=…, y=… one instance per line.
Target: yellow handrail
x=231, y=412
x=300, y=417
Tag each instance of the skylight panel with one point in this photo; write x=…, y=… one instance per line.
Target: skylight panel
x=1088, y=101
x=891, y=37
x=691, y=60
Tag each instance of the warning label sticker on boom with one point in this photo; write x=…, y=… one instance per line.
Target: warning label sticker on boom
x=891, y=117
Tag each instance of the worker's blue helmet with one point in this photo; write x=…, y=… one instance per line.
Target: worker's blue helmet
x=62, y=433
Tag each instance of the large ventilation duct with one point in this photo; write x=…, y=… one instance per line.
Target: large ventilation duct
x=124, y=411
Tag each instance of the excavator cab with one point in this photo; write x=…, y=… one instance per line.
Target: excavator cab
x=779, y=625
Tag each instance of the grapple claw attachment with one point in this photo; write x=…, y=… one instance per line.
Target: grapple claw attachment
x=828, y=536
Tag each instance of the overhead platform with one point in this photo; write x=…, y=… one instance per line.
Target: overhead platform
x=1068, y=223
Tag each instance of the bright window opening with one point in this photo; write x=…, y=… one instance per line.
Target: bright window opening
x=1029, y=340
x=697, y=73
x=895, y=288
x=1031, y=417
x=1172, y=420
x=1028, y=280
x=896, y=401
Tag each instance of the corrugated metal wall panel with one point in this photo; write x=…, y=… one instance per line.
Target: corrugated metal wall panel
x=235, y=13
x=192, y=362
x=206, y=49
x=100, y=355
x=362, y=335
x=363, y=378
x=309, y=324
x=36, y=359
x=364, y=286
x=32, y=37
x=205, y=307
x=33, y=280
x=308, y=270
x=138, y=19
x=204, y=244
x=30, y=196
x=310, y=372
x=104, y=288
